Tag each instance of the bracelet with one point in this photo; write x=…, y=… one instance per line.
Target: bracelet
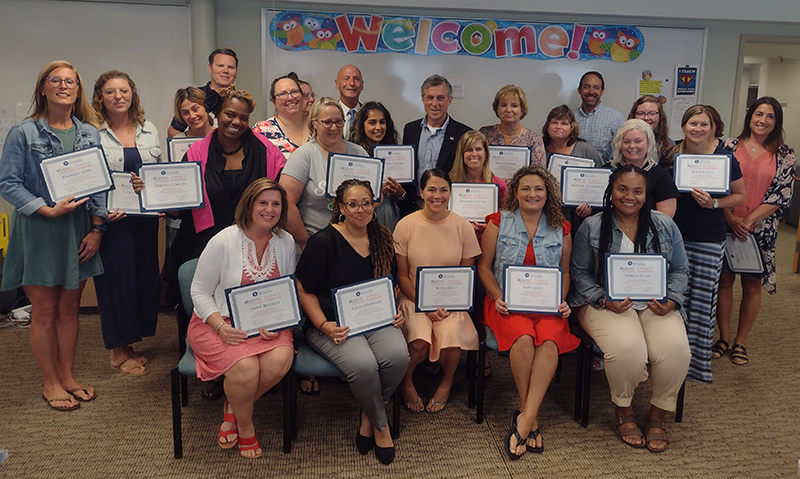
x=219, y=326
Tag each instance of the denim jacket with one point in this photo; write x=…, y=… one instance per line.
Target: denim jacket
x=583, y=265
x=147, y=143
x=27, y=144
x=512, y=243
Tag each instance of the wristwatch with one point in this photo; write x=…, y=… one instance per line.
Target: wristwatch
x=99, y=227
x=716, y=204
x=602, y=302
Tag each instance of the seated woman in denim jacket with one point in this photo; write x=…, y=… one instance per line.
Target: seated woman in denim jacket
x=631, y=333
x=529, y=230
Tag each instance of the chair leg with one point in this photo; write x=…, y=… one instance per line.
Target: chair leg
x=679, y=407
x=177, y=440
x=587, y=383
x=557, y=378
x=481, y=383
x=579, y=382
x=184, y=390
x=286, y=383
x=397, y=399
x=471, y=360
x=293, y=404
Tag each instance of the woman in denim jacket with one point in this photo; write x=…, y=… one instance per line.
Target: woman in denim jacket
x=52, y=245
x=629, y=332
x=529, y=230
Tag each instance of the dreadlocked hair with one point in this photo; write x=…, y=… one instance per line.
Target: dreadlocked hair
x=381, y=242
x=644, y=225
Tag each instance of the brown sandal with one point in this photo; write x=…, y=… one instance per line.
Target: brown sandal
x=630, y=431
x=649, y=425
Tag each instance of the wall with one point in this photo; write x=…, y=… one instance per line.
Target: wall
x=782, y=84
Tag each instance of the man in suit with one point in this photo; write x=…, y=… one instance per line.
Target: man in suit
x=435, y=136
x=350, y=84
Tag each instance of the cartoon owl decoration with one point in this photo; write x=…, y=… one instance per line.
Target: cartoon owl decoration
x=293, y=32
x=623, y=48
x=325, y=39
x=597, y=43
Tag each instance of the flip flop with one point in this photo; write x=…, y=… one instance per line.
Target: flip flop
x=62, y=408
x=407, y=405
x=532, y=437
x=85, y=391
x=126, y=367
x=513, y=432
x=432, y=403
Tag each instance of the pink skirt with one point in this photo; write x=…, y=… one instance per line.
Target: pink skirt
x=214, y=358
x=455, y=331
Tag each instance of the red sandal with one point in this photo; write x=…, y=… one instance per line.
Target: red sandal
x=249, y=444
x=223, y=434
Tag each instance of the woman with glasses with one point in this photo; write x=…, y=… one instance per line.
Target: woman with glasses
x=306, y=171
x=52, y=246
x=287, y=129
x=308, y=98
x=353, y=248
x=650, y=110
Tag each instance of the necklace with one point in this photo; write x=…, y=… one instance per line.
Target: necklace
x=228, y=153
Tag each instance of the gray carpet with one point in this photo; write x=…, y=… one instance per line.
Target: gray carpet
x=743, y=425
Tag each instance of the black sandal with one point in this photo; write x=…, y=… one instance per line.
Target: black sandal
x=739, y=355
x=719, y=349
x=532, y=437
x=514, y=432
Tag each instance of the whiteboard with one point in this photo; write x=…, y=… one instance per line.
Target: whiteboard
x=394, y=78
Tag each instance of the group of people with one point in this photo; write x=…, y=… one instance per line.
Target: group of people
x=266, y=215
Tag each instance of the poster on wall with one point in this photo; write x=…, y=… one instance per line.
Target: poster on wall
x=352, y=33
x=686, y=77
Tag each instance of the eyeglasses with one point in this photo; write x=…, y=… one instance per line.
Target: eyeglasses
x=353, y=206
x=55, y=82
x=330, y=123
x=283, y=95
x=308, y=95
x=647, y=114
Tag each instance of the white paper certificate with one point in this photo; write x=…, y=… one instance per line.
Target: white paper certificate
x=398, y=161
x=448, y=287
x=640, y=276
x=744, y=256
x=584, y=185
x=365, y=306
x=504, y=161
x=80, y=173
x=711, y=173
x=123, y=196
x=345, y=167
x=171, y=186
x=559, y=161
x=177, y=147
x=532, y=289
x=474, y=201
x=270, y=304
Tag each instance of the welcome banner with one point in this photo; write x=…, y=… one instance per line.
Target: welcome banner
x=297, y=31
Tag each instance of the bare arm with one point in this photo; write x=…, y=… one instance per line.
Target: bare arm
x=294, y=224
x=668, y=206
x=403, y=279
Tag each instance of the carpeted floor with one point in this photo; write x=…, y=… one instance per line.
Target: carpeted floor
x=743, y=425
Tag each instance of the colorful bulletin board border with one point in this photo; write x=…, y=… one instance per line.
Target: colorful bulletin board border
x=297, y=31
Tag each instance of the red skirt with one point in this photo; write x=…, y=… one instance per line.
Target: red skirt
x=541, y=327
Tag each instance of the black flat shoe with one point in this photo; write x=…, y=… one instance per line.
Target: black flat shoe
x=385, y=454
x=364, y=444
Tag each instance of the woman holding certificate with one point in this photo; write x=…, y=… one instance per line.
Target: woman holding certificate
x=767, y=167
x=288, y=129
x=354, y=248
x=632, y=332
x=701, y=221
x=511, y=106
x=373, y=125
x=128, y=290
x=256, y=248
x=635, y=144
x=473, y=167
x=52, y=246
x=433, y=236
x=529, y=230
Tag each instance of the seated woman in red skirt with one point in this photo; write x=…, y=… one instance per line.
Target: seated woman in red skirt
x=529, y=230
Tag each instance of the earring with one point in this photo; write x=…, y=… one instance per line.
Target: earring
x=341, y=218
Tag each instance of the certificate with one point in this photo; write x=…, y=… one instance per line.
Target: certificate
x=123, y=196
x=171, y=186
x=398, y=161
x=532, y=289
x=584, y=185
x=559, y=161
x=474, y=201
x=345, y=167
x=744, y=256
x=640, y=276
x=270, y=304
x=448, y=287
x=504, y=161
x=80, y=173
x=177, y=147
x=711, y=173
x=365, y=306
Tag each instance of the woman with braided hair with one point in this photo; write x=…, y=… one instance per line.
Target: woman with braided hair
x=354, y=247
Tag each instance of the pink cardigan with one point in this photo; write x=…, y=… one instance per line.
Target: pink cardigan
x=204, y=217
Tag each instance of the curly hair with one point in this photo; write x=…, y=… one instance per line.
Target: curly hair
x=552, y=207
x=135, y=112
x=358, y=134
x=231, y=93
x=561, y=112
x=661, y=131
x=381, y=242
x=458, y=173
x=82, y=109
x=243, y=216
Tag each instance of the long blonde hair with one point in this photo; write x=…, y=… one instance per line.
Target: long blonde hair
x=458, y=173
x=82, y=109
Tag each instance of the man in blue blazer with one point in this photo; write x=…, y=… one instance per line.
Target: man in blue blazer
x=435, y=136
